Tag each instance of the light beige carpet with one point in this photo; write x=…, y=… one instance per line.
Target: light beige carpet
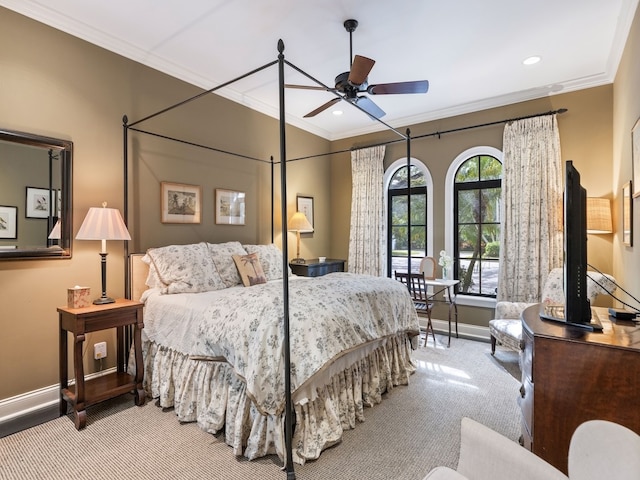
x=415, y=428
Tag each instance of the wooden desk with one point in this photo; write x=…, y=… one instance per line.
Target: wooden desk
x=316, y=268
x=441, y=285
x=570, y=375
x=80, y=321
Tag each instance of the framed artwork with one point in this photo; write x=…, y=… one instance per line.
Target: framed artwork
x=627, y=215
x=180, y=203
x=635, y=157
x=39, y=201
x=305, y=205
x=229, y=207
x=8, y=222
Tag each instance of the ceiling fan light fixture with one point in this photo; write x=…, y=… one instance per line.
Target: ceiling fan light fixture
x=348, y=85
x=532, y=60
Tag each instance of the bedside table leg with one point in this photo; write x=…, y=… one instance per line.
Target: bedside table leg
x=80, y=419
x=137, y=352
x=63, y=366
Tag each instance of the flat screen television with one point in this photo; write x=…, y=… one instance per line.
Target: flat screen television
x=576, y=309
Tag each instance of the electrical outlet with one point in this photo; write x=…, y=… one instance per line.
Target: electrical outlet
x=100, y=350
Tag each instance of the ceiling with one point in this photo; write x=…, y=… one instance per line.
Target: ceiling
x=471, y=52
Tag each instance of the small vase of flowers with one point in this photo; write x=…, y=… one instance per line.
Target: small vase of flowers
x=445, y=262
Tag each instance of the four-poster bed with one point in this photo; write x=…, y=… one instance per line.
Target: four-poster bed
x=309, y=404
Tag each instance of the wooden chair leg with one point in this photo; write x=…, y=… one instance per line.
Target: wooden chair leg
x=429, y=327
x=433, y=334
x=493, y=345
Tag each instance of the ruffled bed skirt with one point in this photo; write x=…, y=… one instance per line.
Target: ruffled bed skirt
x=209, y=393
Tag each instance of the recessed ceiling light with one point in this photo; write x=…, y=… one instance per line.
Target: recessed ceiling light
x=531, y=60
x=337, y=112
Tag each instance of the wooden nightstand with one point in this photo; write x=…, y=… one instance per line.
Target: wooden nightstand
x=80, y=321
x=316, y=268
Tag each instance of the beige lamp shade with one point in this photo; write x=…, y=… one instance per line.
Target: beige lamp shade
x=55, y=232
x=299, y=223
x=599, y=216
x=103, y=224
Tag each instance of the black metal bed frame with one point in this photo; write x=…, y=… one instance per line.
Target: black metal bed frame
x=281, y=62
x=128, y=127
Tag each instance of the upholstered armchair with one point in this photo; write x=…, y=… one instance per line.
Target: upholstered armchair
x=598, y=450
x=506, y=327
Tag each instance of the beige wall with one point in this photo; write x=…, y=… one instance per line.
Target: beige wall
x=585, y=136
x=55, y=85
x=61, y=87
x=626, y=111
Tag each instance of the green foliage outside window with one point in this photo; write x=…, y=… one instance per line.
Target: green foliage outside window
x=478, y=193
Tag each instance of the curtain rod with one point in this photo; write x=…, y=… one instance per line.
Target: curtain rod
x=438, y=134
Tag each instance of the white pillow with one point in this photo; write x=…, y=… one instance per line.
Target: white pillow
x=222, y=255
x=553, y=291
x=270, y=259
x=186, y=268
x=153, y=279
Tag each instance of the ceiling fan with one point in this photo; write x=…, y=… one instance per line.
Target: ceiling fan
x=354, y=82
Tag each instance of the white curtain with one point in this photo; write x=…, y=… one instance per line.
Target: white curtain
x=366, y=240
x=531, y=236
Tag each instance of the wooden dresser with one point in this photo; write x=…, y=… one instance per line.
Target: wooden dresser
x=570, y=375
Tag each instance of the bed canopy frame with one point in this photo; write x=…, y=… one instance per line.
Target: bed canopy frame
x=134, y=127
x=281, y=62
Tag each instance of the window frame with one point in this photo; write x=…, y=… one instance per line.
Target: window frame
x=388, y=175
x=449, y=220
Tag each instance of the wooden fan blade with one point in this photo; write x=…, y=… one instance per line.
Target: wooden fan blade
x=420, y=86
x=322, y=108
x=306, y=87
x=360, y=70
x=370, y=107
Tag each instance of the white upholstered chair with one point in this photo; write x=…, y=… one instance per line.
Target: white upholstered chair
x=506, y=327
x=602, y=449
x=487, y=455
x=598, y=450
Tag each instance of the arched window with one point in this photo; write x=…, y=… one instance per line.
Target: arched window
x=397, y=191
x=474, y=184
x=475, y=178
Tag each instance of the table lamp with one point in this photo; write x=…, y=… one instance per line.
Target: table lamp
x=55, y=232
x=297, y=223
x=103, y=224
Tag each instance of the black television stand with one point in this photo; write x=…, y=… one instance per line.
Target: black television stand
x=555, y=313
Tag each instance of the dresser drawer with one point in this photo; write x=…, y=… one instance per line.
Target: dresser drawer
x=526, y=403
x=526, y=356
x=526, y=439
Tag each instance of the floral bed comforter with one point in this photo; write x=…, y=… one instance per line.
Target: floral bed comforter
x=330, y=316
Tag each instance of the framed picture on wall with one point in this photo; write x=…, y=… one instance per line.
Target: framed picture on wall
x=229, y=207
x=180, y=203
x=627, y=215
x=305, y=205
x=8, y=222
x=39, y=202
x=635, y=157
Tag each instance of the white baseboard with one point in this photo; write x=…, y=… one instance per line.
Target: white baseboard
x=473, y=332
x=29, y=402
